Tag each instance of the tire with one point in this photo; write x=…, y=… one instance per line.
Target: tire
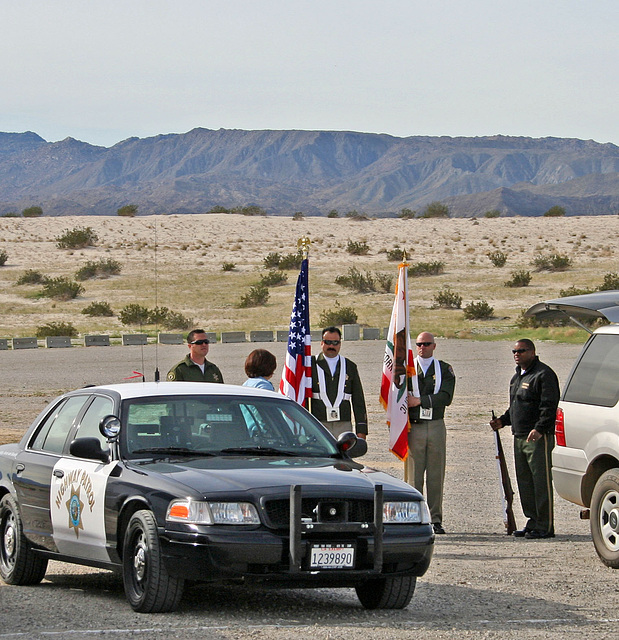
x=148, y=586
x=19, y=564
x=605, y=518
x=387, y=593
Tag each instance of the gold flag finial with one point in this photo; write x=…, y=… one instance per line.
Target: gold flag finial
x=303, y=244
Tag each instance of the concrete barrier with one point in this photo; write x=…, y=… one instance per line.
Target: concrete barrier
x=261, y=336
x=233, y=336
x=371, y=334
x=58, y=342
x=351, y=332
x=135, y=339
x=171, y=338
x=281, y=335
x=4, y=344
x=212, y=336
x=316, y=335
x=25, y=343
x=97, y=341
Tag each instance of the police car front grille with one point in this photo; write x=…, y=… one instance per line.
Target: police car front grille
x=278, y=511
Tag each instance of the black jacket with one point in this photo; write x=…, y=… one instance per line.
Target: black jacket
x=533, y=400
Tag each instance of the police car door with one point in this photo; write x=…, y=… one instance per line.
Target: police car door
x=34, y=468
x=77, y=497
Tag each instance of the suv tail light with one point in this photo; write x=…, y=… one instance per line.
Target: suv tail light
x=560, y=428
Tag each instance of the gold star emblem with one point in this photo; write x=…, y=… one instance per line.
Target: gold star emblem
x=74, y=507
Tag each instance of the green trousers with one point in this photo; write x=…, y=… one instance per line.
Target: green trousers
x=533, y=461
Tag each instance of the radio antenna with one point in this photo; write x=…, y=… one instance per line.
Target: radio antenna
x=157, y=309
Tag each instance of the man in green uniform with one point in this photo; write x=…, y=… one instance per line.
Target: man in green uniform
x=533, y=399
x=427, y=438
x=337, y=394
x=195, y=367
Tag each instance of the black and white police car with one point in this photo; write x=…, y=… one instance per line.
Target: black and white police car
x=169, y=482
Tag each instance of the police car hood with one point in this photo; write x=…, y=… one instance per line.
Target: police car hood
x=210, y=476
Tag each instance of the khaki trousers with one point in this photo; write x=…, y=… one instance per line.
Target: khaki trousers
x=339, y=427
x=427, y=441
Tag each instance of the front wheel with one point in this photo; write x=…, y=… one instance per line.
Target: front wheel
x=19, y=564
x=605, y=518
x=387, y=593
x=148, y=586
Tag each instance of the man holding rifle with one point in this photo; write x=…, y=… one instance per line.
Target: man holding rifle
x=533, y=399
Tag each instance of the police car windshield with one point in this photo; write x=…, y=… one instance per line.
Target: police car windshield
x=212, y=424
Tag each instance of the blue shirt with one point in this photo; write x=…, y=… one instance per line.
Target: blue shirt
x=259, y=383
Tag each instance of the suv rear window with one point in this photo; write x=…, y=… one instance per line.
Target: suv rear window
x=596, y=377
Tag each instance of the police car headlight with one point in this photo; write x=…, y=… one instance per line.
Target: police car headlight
x=406, y=512
x=192, y=512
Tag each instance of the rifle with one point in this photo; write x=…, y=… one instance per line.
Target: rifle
x=507, y=493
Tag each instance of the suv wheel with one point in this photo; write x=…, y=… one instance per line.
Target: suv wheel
x=605, y=518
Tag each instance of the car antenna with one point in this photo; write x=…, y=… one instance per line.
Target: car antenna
x=156, y=309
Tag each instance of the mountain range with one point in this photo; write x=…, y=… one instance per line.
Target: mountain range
x=309, y=171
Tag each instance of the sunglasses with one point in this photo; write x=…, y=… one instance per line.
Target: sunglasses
x=332, y=343
x=515, y=351
x=203, y=341
x=423, y=344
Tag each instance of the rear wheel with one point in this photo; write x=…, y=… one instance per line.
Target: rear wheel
x=605, y=518
x=148, y=586
x=387, y=593
x=19, y=564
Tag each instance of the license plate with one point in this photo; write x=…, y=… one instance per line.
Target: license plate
x=332, y=556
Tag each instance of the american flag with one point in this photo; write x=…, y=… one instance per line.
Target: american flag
x=296, y=382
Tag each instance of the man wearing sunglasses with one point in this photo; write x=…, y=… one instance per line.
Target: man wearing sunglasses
x=337, y=394
x=195, y=367
x=427, y=438
x=533, y=400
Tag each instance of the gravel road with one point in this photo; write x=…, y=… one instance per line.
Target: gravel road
x=481, y=583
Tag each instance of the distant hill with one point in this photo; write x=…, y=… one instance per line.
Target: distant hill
x=309, y=171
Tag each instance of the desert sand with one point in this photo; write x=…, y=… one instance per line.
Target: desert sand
x=481, y=583
x=176, y=261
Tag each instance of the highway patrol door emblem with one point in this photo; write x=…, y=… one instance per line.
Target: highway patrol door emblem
x=77, y=500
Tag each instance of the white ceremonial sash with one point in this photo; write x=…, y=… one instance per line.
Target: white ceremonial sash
x=426, y=414
x=332, y=409
x=438, y=374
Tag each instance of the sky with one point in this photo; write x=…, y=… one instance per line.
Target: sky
x=102, y=72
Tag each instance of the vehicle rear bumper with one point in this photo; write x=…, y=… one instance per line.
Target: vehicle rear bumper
x=568, y=469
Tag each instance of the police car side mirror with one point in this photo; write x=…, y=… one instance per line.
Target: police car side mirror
x=349, y=444
x=89, y=448
x=109, y=427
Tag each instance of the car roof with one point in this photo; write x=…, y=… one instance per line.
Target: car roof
x=129, y=390
x=601, y=304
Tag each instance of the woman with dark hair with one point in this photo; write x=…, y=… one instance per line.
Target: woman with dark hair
x=260, y=367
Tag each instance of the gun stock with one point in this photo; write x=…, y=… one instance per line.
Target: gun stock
x=506, y=486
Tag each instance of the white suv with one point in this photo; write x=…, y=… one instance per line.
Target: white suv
x=586, y=458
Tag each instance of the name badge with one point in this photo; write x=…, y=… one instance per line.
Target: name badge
x=425, y=414
x=333, y=415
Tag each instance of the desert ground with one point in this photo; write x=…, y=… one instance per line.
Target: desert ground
x=481, y=584
x=177, y=262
